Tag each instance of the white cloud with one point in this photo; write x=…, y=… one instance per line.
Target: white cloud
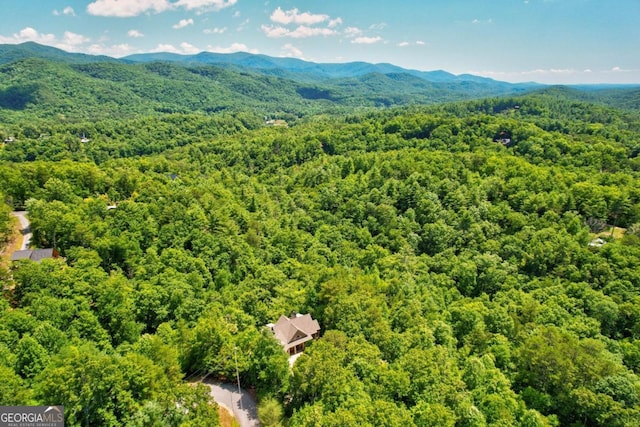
x=294, y=16
x=135, y=34
x=73, y=39
x=416, y=43
x=184, y=48
x=205, y=4
x=352, y=31
x=235, y=47
x=380, y=26
x=66, y=11
x=480, y=21
x=549, y=71
x=114, y=50
x=127, y=8
x=366, y=40
x=215, y=30
x=335, y=22
x=619, y=70
x=166, y=48
x=28, y=34
x=306, y=24
x=189, y=48
x=183, y=23
x=70, y=41
x=291, y=51
x=302, y=31
x=271, y=31
x=620, y=74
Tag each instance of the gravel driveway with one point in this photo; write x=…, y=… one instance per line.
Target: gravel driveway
x=25, y=228
x=243, y=406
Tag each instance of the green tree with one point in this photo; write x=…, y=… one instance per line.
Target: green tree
x=31, y=357
x=13, y=389
x=270, y=413
x=114, y=306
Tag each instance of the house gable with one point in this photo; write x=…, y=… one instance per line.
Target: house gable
x=294, y=331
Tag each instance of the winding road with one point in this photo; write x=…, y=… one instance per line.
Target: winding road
x=243, y=406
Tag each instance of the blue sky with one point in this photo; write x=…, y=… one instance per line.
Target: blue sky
x=548, y=41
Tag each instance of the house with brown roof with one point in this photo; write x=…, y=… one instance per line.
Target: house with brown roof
x=294, y=331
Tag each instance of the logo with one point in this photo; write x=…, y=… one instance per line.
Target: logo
x=31, y=416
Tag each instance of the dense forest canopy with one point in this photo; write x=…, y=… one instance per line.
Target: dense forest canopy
x=446, y=251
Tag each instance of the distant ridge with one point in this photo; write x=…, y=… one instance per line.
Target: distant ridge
x=267, y=64
x=291, y=68
x=50, y=82
x=15, y=52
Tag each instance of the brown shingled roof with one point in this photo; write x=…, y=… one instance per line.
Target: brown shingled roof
x=291, y=331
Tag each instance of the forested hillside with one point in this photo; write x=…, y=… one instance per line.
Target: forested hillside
x=44, y=84
x=446, y=252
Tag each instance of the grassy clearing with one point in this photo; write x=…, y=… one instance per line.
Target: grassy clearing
x=226, y=417
x=616, y=232
x=13, y=245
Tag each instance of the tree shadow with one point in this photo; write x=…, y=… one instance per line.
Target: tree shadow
x=18, y=97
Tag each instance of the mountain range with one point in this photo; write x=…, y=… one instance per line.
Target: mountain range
x=48, y=82
x=298, y=69
x=294, y=68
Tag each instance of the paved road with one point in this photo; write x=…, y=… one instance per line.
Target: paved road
x=26, y=228
x=242, y=405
